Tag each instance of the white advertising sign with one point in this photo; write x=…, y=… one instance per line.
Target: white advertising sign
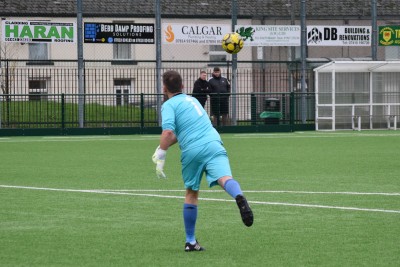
x=270, y=35
x=339, y=35
x=200, y=34
x=38, y=32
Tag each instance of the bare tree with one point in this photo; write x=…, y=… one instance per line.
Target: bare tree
x=8, y=51
x=7, y=70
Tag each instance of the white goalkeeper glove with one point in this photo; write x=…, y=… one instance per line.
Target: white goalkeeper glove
x=159, y=159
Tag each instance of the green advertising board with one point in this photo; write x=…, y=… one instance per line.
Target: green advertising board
x=389, y=35
x=38, y=32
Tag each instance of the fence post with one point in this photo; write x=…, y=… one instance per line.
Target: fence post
x=142, y=111
x=253, y=106
x=283, y=107
x=219, y=110
x=8, y=96
x=292, y=109
x=1, y=100
x=81, y=84
x=63, y=112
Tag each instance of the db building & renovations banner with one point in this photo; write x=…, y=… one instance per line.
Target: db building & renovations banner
x=339, y=35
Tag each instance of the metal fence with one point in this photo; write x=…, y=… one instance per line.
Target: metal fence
x=107, y=77
x=45, y=94
x=27, y=111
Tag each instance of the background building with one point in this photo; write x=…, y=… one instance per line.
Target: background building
x=115, y=73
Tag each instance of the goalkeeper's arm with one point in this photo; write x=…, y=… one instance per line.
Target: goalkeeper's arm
x=167, y=139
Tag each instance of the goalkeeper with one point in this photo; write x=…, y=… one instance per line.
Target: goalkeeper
x=185, y=121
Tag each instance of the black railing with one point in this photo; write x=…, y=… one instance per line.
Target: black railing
x=104, y=77
x=27, y=111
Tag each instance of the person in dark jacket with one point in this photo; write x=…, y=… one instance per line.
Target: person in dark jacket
x=201, y=88
x=219, y=97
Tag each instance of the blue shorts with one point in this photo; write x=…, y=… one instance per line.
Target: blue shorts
x=210, y=159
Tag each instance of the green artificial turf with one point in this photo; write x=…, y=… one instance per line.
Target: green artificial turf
x=319, y=199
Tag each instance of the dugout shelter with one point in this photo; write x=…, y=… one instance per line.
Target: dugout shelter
x=357, y=95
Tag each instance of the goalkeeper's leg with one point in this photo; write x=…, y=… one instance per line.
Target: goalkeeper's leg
x=232, y=187
x=189, y=219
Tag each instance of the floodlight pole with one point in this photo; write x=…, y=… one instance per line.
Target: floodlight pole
x=303, y=61
x=374, y=33
x=81, y=89
x=158, y=59
x=234, y=65
x=291, y=49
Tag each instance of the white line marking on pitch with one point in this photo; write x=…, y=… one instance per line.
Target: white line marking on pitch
x=74, y=140
x=75, y=137
x=255, y=191
x=206, y=199
x=327, y=193
x=313, y=136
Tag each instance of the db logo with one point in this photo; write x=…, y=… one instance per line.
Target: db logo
x=317, y=36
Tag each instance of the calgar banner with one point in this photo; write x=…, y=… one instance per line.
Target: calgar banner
x=197, y=34
x=38, y=32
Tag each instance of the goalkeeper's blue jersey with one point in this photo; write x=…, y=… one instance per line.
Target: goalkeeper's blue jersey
x=189, y=121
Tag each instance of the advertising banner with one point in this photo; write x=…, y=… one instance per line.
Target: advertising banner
x=339, y=35
x=38, y=32
x=197, y=34
x=123, y=33
x=389, y=35
x=270, y=35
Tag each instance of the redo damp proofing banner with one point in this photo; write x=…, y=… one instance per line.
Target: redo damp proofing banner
x=119, y=33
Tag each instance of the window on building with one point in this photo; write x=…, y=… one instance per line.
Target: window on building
x=38, y=51
x=122, y=89
x=392, y=52
x=217, y=53
x=122, y=51
x=39, y=54
x=298, y=52
x=37, y=90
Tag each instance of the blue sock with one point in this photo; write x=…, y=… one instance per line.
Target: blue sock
x=189, y=219
x=232, y=187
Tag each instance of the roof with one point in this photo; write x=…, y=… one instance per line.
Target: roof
x=260, y=9
x=360, y=66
